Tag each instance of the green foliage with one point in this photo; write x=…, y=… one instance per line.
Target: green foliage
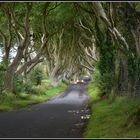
x=2, y=67
x=46, y=81
x=106, y=65
x=93, y=91
x=36, y=76
x=2, y=72
x=28, y=88
x=37, y=90
x=36, y=14
x=7, y=101
x=18, y=84
x=56, y=90
x=32, y=81
x=10, y=101
x=23, y=96
x=106, y=83
x=61, y=15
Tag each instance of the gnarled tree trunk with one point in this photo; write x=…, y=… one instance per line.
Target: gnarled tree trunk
x=9, y=74
x=136, y=35
x=123, y=76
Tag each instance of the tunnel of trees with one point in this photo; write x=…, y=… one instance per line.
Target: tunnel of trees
x=100, y=39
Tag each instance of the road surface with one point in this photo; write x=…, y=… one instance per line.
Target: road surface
x=60, y=117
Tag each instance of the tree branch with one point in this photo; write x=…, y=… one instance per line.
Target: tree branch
x=99, y=11
x=34, y=64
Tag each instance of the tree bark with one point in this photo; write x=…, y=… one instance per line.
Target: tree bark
x=123, y=75
x=100, y=13
x=9, y=75
x=136, y=35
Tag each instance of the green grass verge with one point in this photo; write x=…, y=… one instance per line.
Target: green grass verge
x=10, y=102
x=108, y=118
x=93, y=93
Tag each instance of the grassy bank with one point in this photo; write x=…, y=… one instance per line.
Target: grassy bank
x=109, y=118
x=9, y=102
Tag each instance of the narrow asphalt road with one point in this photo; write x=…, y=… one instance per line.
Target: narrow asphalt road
x=60, y=117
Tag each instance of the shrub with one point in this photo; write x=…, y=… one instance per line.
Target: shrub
x=104, y=82
x=7, y=98
x=36, y=76
x=18, y=85
x=23, y=96
x=38, y=90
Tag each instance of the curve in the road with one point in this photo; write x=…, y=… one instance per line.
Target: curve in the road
x=58, y=118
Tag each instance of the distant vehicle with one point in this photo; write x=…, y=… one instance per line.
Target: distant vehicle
x=86, y=78
x=80, y=82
